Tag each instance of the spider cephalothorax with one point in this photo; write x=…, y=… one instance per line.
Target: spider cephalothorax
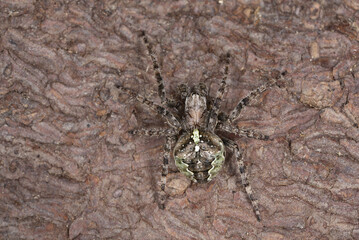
x=196, y=107
x=194, y=134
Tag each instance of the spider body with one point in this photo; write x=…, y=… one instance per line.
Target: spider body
x=198, y=153
x=194, y=133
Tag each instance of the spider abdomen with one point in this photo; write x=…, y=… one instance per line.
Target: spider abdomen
x=199, y=155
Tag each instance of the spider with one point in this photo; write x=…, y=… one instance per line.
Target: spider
x=194, y=128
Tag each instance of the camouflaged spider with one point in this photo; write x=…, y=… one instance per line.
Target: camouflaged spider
x=199, y=152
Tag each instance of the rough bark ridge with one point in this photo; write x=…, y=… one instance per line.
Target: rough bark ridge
x=69, y=170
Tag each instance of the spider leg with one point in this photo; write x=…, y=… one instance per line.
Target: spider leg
x=153, y=132
x=156, y=67
x=167, y=155
x=245, y=101
x=244, y=178
x=183, y=91
x=250, y=133
x=213, y=115
x=171, y=119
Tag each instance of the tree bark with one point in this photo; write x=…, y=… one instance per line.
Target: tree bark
x=70, y=170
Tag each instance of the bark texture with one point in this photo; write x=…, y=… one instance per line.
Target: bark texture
x=70, y=170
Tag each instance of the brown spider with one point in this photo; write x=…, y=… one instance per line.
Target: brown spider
x=199, y=152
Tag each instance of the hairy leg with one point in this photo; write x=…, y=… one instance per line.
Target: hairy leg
x=245, y=101
x=213, y=115
x=177, y=104
x=166, y=157
x=153, y=132
x=250, y=133
x=171, y=119
x=244, y=178
x=156, y=67
x=183, y=91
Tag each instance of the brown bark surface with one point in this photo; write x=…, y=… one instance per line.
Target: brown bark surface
x=70, y=170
